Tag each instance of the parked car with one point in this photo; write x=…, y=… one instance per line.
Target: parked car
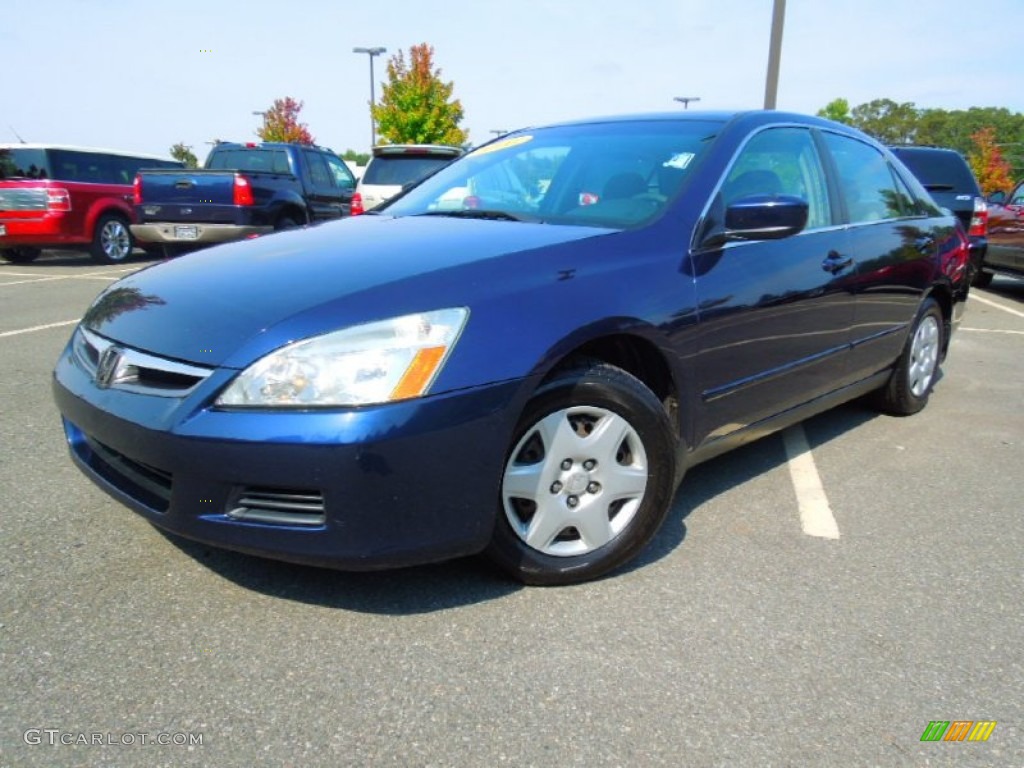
x=54, y=196
x=1005, y=236
x=396, y=166
x=948, y=177
x=529, y=379
x=243, y=190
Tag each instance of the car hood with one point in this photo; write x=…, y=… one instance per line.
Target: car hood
x=230, y=304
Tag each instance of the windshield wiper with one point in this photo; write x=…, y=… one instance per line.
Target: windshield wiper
x=475, y=213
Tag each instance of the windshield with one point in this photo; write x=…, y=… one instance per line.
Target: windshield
x=615, y=174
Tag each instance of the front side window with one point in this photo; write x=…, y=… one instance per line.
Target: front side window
x=866, y=181
x=615, y=174
x=343, y=178
x=781, y=161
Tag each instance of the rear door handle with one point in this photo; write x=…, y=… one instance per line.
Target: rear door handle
x=836, y=262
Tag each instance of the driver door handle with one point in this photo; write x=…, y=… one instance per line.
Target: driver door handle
x=836, y=262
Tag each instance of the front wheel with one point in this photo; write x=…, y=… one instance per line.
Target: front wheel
x=112, y=242
x=917, y=369
x=588, y=479
x=21, y=255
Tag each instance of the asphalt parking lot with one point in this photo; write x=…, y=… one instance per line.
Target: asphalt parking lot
x=747, y=635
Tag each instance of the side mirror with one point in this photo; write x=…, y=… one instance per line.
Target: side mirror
x=760, y=217
x=999, y=198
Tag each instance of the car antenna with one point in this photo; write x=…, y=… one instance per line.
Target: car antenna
x=16, y=134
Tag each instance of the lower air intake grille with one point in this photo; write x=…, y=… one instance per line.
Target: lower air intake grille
x=278, y=506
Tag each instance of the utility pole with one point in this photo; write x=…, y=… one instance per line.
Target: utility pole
x=771, y=87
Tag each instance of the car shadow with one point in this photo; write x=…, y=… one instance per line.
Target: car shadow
x=469, y=580
x=1007, y=288
x=706, y=481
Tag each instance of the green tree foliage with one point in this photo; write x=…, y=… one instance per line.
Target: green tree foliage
x=887, y=121
x=894, y=123
x=359, y=158
x=416, y=106
x=991, y=170
x=183, y=153
x=838, y=110
x=281, y=123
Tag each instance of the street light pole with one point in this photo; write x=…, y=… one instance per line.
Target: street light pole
x=371, y=52
x=685, y=100
x=771, y=86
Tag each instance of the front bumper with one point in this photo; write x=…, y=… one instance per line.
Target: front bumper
x=357, y=489
x=205, y=234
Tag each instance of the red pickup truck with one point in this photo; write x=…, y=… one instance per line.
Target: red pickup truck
x=68, y=197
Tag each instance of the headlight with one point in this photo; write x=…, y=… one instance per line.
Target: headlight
x=374, y=363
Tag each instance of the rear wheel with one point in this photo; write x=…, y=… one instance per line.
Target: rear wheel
x=588, y=480
x=285, y=222
x=916, y=370
x=20, y=255
x=112, y=242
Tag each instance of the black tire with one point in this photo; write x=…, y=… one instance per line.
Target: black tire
x=112, y=240
x=592, y=517
x=285, y=222
x=917, y=369
x=982, y=279
x=21, y=255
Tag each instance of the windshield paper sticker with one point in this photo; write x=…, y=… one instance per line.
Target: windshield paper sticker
x=680, y=161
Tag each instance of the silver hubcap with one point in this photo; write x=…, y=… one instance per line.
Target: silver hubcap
x=575, y=481
x=924, y=356
x=114, y=240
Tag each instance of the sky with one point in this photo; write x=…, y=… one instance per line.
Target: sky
x=142, y=75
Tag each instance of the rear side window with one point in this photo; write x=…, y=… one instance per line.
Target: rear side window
x=85, y=167
x=399, y=170
x=867, y=182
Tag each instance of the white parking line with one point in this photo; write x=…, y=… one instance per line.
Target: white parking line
x=34, y=328
x=996, y=304
x=816, y=517
x=86, y=276
x=993, y=330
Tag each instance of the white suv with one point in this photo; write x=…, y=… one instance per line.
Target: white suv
x=393, y=166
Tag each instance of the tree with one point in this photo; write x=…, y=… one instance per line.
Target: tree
x=183, y=152
x=416, y=105
x=991, y=170
x=359, y=158
x=838, y=110
x=887, y=121
x=281, y=123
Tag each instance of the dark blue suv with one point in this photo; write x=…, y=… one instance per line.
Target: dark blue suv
x=522, y=354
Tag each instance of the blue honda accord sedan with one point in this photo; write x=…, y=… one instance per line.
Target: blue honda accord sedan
x=524, y=353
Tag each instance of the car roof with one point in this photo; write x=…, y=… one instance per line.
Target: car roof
x=383, y=150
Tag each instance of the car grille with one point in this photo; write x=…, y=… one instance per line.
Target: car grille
x=278, y=506
x=22, y=199
x=143, y=482
x=133, y=370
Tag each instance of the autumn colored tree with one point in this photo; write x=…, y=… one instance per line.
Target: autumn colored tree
x=991, y=170
x=416, y=106
x=281, y=123
x=183, y=153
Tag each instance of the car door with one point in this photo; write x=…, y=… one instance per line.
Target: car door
x=324, y=198
x=775, y=315
x=894, y=241
x=1006, y=233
